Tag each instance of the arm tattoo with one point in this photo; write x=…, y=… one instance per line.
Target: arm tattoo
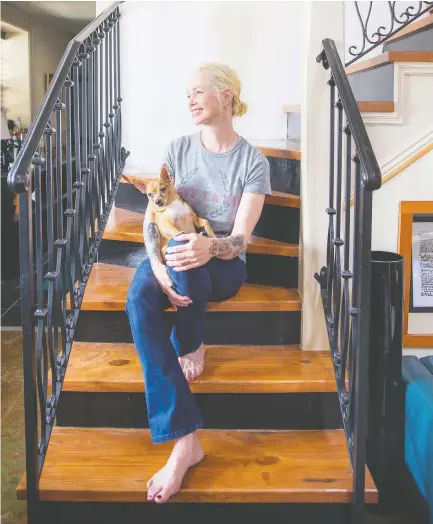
x=153, y=244
x=227, y=248
x=237, y=244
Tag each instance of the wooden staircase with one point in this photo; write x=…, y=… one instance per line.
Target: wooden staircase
x=273, y=439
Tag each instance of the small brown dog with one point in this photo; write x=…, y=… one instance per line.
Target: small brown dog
x=172, y=215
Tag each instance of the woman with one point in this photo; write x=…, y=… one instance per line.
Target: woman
x=225, y=180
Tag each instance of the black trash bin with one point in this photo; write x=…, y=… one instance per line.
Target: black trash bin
x=385, y=441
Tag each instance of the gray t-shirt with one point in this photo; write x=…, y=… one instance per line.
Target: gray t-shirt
x=213, y=183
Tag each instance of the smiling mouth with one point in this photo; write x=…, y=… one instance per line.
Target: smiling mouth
x=196, y=112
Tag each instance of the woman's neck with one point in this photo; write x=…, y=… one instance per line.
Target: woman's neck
x=219, y=139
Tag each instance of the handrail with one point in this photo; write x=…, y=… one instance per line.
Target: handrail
x=64, y=207
x=330, y=58
x=345, y=281
x=17, y=178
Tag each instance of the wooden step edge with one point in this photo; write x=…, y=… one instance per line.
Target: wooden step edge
x=278, y=148
x=364, y=106
x=278, y=198
x=390, y=57
x=256, y=245
x=114, y=464
x=413, y=27
x=108, y=284
x=114, y=367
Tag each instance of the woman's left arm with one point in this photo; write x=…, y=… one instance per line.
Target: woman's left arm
x=247, y=216
x=201, y=249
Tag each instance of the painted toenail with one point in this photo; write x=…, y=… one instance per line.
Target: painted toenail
x=159, y=497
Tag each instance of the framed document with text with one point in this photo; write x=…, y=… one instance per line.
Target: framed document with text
x=415, y=243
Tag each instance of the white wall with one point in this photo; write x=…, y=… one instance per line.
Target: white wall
x=16, y=76
x=322, y=20
x=415, y=183
x=161, y=43
x=379, y=16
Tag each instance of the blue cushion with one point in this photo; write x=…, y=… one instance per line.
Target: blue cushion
x=419, y=426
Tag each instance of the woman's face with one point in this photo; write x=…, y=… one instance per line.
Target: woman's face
x=203, y=100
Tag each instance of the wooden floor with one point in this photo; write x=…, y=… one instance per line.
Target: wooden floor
x=105, y=464
x=115, y=367
x=108, y=284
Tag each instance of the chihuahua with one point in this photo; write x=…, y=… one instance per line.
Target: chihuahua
x=172, y=215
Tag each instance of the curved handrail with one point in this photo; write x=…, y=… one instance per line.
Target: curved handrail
x=17, y=176
x=371, y=175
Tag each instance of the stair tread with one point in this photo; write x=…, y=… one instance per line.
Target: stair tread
x=108, y=284
x=389, y=57
x=277, y=198
x=282, y=148
x=413, y=27
x=125, y=225
x=376, y=106
x=115, y=367
x=106, y=464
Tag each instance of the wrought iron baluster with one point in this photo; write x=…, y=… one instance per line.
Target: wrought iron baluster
x=331, y=210
x=101, y=134
x=107, y=111
x=78, y=184
x=49, y=207
x=41, y=312
x=337, y=241
x=346, y=274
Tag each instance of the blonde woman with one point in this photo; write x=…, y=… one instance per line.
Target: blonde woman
x=225, y=180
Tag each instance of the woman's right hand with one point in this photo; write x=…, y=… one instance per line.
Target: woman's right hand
x=164, y=280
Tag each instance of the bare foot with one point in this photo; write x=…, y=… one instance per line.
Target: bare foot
x=192, y=364
x=186, y=453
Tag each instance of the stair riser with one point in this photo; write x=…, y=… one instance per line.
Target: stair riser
x=234, y=327
x=422, y=40
x=285, y=175
x=276, y=222
x=270, y=270
x=211, y=513
x=373, y=84
x=279, y=223
x=220, y=410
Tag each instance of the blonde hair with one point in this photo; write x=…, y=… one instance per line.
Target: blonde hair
x=223, y=77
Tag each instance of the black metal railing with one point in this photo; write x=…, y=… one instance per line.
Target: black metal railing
x=372, y=35
x=345, y=280
x=66, y=175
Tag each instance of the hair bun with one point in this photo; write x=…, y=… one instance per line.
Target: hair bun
x=239, y=108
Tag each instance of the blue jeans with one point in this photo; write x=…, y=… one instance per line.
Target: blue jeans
x=171, y=407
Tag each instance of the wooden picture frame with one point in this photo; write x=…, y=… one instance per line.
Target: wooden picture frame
x=409, y=209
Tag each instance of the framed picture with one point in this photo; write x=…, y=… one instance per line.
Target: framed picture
x=415, y=244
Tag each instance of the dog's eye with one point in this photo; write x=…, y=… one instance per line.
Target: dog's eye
x=149, y=195
x=163, y=189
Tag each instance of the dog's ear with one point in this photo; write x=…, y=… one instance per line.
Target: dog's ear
x=141, y=185
x=165, y=174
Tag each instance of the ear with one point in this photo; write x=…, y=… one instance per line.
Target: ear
x=141, y=185
x=165, y=174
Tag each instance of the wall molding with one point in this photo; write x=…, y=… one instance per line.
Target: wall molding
x=406, y=158
x=421, y=146
x=401, y=70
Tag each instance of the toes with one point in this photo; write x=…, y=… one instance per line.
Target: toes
x=154, y=492
x=163, y=496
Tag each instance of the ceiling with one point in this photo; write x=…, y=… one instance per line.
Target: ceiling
x=70, y=16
